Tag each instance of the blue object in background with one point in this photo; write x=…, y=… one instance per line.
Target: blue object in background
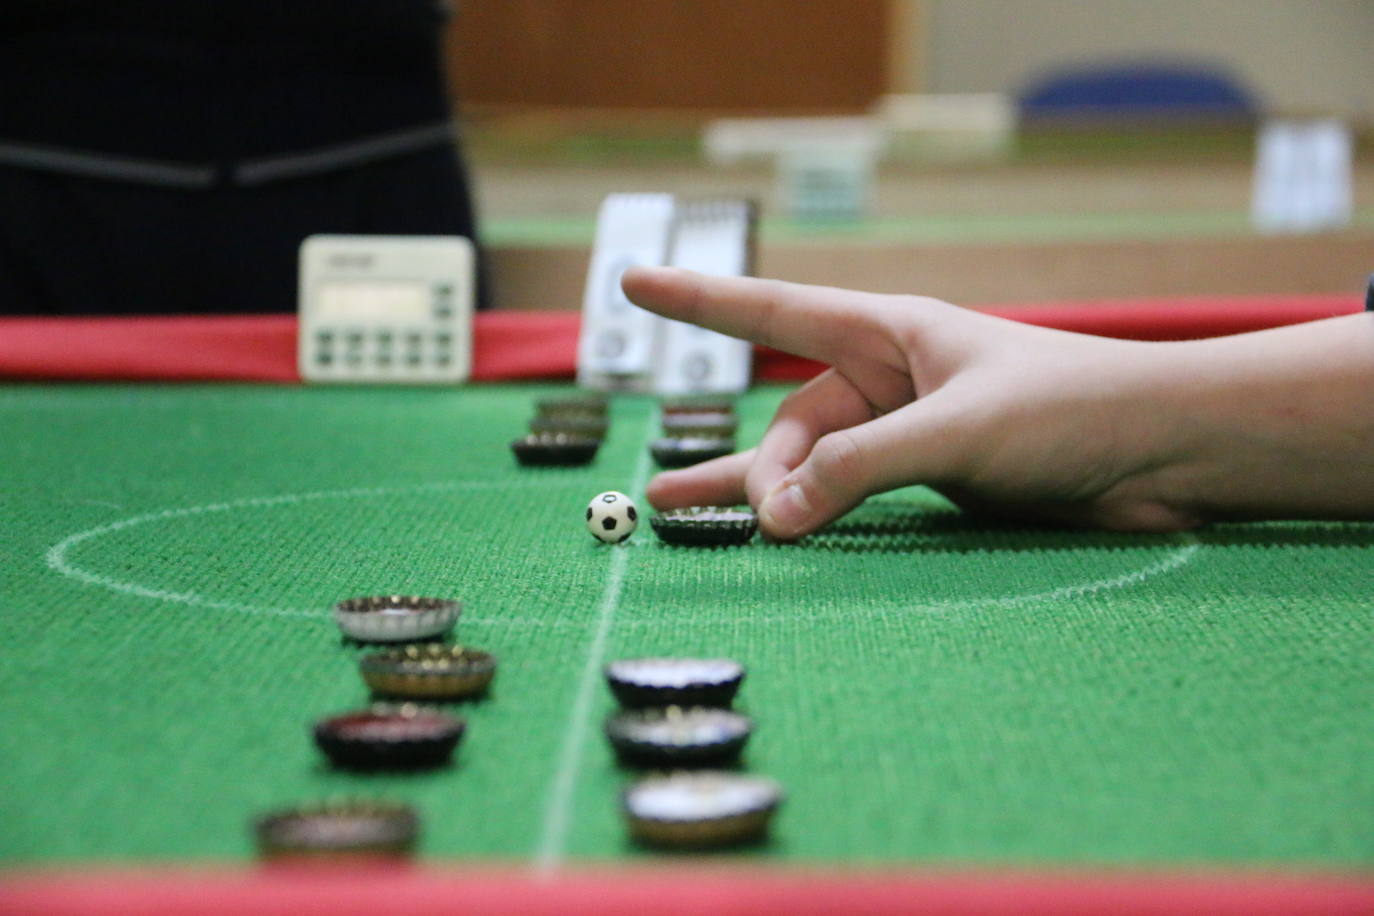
x=1145, y=90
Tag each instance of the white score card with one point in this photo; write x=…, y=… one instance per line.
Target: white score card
x=713, y=237
x=624, y=347
x=617, y=344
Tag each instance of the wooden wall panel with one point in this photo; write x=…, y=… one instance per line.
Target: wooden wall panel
x=724, y=55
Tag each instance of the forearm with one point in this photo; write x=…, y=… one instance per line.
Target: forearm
x=1268, y=425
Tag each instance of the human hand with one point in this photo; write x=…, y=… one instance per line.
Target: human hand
x=995, y=415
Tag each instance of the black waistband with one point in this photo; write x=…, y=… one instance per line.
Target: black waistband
x=204, y=176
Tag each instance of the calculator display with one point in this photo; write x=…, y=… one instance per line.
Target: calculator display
x=374, y=301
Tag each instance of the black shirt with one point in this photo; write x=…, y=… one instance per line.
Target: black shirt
x=169, y=156
x=216, y=81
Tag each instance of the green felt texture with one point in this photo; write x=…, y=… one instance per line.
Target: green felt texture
x=929, y=688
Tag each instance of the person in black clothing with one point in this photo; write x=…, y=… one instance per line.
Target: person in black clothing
x=164, y=156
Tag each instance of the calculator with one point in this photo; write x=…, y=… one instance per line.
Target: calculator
x=386, y=308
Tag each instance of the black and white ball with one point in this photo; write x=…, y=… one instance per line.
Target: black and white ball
x=611, y=517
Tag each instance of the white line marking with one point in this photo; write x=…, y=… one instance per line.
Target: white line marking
x=58, y=561
x=554, y=833
x=1177, y=558
x=1191, y=545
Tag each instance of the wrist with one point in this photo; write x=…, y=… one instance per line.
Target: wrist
x=1272, y=424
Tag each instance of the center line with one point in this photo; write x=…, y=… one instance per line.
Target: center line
x=549, y=854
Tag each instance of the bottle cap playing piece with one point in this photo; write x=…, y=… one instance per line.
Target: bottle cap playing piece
x=685, y=451
x=560, y=449
x=395, y=618
x=701, y=810
x=428, y=672
x=705, y=526
x=338, y=829
x=719, y=425
x=376, y=740
x=639, y=682
x=678, y=737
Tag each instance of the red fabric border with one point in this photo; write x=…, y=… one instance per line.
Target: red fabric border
x=527, y=345
x=670, y=891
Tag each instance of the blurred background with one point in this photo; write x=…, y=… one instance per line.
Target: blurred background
x=975, y=150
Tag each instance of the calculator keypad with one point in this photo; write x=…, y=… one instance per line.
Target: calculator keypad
x=391, y=353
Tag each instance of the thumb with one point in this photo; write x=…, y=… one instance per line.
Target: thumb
x=846, y=466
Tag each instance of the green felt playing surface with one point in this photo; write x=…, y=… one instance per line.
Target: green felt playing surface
x=929, y=688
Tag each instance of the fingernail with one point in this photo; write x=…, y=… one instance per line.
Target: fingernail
x=785, y=511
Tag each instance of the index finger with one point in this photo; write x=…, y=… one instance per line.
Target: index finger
x=813, y=321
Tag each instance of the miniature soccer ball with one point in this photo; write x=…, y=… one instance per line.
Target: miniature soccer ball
x=611, y=517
